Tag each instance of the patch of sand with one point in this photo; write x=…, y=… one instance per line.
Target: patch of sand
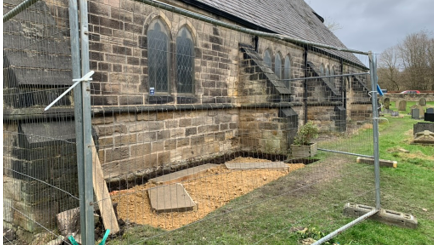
x=210, y=190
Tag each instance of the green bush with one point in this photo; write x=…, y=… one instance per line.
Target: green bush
x=306, y=134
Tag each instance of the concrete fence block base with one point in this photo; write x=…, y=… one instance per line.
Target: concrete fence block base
x=384, y=215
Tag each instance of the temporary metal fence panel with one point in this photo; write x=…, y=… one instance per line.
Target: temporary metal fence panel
x=193, y=126
x=39, y=148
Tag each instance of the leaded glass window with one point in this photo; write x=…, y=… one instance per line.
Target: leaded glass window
x=185, y=61
x=321, y=70
x=327, y=73
x=267, y=58
x=332, y=73
x=158, y=56
x=278, y=66
x=287, y=70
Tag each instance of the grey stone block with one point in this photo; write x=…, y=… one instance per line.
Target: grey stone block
x=170, y=198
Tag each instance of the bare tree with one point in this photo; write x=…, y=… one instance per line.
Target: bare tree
x=413, y=54
x=389, y=68
x=431, y=63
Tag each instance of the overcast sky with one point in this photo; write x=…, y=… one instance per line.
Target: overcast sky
x=374, y=25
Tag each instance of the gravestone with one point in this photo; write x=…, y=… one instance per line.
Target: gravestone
x=425, y=137
x=402, y=105
x=422, y=126
x=394, y=114
x=386, y=103
x=420, y=108
x=429, y=115
x=422, y=102
x=415, y=113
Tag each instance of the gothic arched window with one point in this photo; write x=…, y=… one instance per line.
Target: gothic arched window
x=278, y=66
x=267, y=58
x=158, y=56
x=287, y=70
x=332, y=73
x=321, y=70
x=185, y=61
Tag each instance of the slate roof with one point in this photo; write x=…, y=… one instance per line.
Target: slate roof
x=294, y=18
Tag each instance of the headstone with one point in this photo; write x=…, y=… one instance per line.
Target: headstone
x=386, y=103
x=420, y=108
x=415, y=113
x=429, y=117
x=422, y=102
x=402, y=106
x=394, y=114
x=425, y=137
x=422, y=126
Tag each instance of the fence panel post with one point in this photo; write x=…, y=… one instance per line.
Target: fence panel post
x=87, y=128
x=374, y=79
x=78, y=108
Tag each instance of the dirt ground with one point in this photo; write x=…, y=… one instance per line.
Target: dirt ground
x=210, y=190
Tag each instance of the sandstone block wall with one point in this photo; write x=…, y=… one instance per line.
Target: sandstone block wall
x=135, y=144
x=264, y=131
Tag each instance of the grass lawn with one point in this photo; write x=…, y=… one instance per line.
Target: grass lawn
x=313, y=197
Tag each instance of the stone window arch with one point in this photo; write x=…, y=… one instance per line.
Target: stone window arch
x=322, y=70
x=332, y=73
x=158, y=56
x=267, y=58
x=278, y=65
x=185, y=61
x=287, y=71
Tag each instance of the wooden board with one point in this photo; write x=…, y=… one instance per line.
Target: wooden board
x=102, y=195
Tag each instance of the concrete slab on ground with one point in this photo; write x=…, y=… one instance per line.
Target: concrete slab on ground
x=182, y=175
x=170, y=198
x=256, y=165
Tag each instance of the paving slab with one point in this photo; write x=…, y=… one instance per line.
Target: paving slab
x=257, y=165
x=182, y=175
x=170, y=198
